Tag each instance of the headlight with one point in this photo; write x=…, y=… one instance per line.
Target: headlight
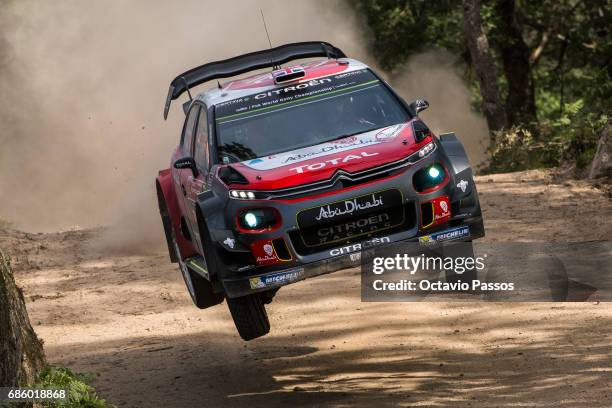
x=258, y=219
x=422, y=153
x=429, y=177
x=425, y=150
x=245, y=195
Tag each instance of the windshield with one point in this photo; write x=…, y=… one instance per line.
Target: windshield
x=305, y=114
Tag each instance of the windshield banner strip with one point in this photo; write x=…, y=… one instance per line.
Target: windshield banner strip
x=273, y=107
x=310, y=89
x=300, y=102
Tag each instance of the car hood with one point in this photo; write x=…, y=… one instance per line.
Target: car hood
x=320, y=162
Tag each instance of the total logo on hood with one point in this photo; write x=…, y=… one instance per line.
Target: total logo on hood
x=335, y=161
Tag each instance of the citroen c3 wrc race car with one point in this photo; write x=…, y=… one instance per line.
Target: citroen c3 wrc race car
x=289, y=174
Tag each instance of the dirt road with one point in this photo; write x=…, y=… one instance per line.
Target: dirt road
x=128, y=319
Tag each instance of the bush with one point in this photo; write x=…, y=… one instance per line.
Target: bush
x=80, y=393
x=572, y=138
x=516, y=149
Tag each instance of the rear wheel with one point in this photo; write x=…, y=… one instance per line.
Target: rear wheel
x=250, y=316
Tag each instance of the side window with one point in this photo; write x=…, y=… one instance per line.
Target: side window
x=201, y=144
x=188, y=130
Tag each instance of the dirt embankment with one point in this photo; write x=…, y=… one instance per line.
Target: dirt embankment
x=128, y=319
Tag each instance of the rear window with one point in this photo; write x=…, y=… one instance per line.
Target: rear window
x=304, y=114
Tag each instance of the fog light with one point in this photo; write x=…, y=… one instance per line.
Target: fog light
x=429, y=177
x=251, y=220
x=258, y=220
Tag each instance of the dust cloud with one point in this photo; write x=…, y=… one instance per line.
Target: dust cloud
x=433, y=76
x=82, y=85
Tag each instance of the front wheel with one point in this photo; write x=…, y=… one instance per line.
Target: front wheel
x=250, y=316
x=199, y=288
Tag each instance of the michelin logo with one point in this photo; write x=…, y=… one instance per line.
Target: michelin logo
x=448, y=235
x=277, y=279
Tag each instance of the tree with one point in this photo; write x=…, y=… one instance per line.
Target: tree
x=484, y=65
x=602, y=162
x=21, y=352
x=520, y=99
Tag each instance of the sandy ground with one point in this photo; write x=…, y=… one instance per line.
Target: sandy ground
x=129, y=320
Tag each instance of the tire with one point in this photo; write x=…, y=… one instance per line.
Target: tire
x=248, y=312
x=460, y=250
x=198, y=287
x=250, y=316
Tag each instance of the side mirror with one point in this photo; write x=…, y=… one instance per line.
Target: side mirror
x=187, y=163
x=419, y=105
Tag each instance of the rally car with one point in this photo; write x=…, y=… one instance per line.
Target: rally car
x=293, y=171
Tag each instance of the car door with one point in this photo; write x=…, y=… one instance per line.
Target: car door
x=182, y=176
x=201, y=155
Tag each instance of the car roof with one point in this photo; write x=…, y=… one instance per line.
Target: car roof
x=263, y=81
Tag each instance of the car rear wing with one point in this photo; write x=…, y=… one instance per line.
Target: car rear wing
x=272, y=57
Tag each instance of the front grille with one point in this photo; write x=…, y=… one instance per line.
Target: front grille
x=360, y=228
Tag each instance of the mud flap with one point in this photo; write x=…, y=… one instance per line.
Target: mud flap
x=205, y=296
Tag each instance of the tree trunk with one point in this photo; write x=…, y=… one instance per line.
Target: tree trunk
x=484, y=66
x=21, y=352
x=602, y=162
x=520, y=101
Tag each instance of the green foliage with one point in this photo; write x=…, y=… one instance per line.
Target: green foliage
x=569, y=40
x=516, y=149
x=400, y=29
x=571, y=138
x=577, y=131
x=81, y=394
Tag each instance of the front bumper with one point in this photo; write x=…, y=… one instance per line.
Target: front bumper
x=347, y=258
x=241, y=279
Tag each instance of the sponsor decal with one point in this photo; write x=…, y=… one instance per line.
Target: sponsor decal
x=359, y=246
x=255, y=161
x=325, y=149
x=289, y=89
x=347, y=140
x=349, y=207
x=230, y=242
x=334, y=161
x=355, y=257
x=337, y=221
x=447, y=235
x=441, y=210
x=264, y=253
x=359, y=226
x=462, y=185
x=444, y=206
x=275, y=279
x=389, y=132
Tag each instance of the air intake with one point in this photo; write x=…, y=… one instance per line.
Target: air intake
x=288, y=75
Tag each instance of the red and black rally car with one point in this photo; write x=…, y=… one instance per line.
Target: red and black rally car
x=289, y=174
